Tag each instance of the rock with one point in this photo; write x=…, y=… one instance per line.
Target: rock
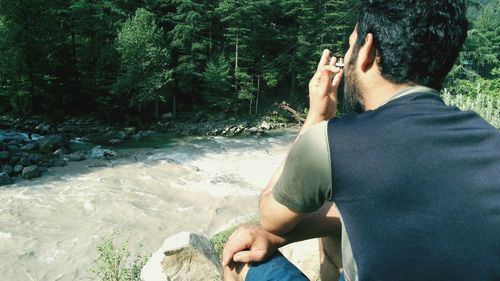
x=253, y=130
x=28, y=147
x=14, y=160
x=61, y=151
x=122, y=135
x=24, y=161
x=5, y=179
x=36, y=158
x=77, y=156
x=97, y=152
x=18, y=169
x=110, y=153
x=43, y=128
x=265, y=126
x=31, y=172
x=57, y=163
x=4, y=155
x=184, y=256
x=8, y=169
x=115, y=141
x=130, y=130
x=50, y=143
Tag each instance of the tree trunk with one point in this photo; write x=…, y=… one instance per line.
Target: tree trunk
x=258, y=95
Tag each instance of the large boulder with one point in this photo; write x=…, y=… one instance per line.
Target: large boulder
x=50, y=143
x=77, y=156
x=31, y=172
x=97, y=152
x=184, y=257
x=265, y=126
x=5, y=179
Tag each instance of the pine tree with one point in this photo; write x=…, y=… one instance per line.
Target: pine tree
x=144, y=74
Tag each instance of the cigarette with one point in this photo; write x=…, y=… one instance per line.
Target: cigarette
x=340, y=63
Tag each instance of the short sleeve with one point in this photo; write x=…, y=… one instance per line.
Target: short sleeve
x=305, y=183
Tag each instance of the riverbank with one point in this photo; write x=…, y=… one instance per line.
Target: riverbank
x=30, y=146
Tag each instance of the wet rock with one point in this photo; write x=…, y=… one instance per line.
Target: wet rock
x=130, y=130
x=43, y=128
x=77, y=156
x=31, y=172
x=24, y=161
x=13, y=148
x=50, y=143
x=96, y=152
x=14, y=160
x=110, y=153
x=57, y=163
x=253, y=130
x=28, y=147
x=265, y=126
x=122, y=135
x=4, y=156
x=115, y=141
x=61, y=151
x=8, y=169
x=36, y=158
x=185, y=256
x=5, y=179
x=18, y=169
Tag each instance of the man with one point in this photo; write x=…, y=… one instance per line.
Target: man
x=414, y=183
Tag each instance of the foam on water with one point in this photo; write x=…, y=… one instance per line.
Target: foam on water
x=49, y=228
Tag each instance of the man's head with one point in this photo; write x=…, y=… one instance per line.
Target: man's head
x=412, y=42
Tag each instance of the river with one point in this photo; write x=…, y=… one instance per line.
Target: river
x=50, y=227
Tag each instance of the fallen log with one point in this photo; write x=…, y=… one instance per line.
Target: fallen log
x=294, y=112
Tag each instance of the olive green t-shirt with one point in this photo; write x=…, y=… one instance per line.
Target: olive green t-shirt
x=306, y=181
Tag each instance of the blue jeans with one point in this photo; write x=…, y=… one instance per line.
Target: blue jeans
x=277, y=268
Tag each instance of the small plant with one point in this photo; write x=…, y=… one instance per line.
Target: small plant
x=113, y=263
x=219, y=239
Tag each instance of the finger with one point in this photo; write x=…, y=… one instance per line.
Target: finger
x=336, y=80
x=325, y=59
x=238, y=241
x=333, y=61
x=250, y=256
x=331, y=69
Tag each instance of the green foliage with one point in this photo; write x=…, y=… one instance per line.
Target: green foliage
x=485, y=100
x=219, y=239
x=144, y=76
x=482, y=49
x=217, y=80
x=116, y=264
x=86, y=56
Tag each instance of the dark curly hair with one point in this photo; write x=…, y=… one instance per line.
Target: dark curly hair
x=417, y=41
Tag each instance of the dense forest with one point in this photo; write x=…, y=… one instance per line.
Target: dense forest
x=123, y=59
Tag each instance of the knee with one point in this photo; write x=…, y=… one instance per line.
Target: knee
x=235, y=272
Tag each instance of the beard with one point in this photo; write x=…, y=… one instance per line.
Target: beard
x=352, y=91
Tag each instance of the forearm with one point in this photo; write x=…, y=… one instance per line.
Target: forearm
x=322, y=223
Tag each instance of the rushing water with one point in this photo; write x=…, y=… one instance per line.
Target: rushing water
x=49, y=227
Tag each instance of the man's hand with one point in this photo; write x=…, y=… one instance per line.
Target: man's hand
x=250, y=243
x=323, y=90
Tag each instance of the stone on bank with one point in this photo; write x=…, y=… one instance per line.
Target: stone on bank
x=184, y=257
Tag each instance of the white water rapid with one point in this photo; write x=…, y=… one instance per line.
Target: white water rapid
x=49, y=227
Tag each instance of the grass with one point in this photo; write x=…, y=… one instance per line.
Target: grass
x=219, y=240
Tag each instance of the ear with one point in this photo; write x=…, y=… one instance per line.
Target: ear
x=367, y=54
